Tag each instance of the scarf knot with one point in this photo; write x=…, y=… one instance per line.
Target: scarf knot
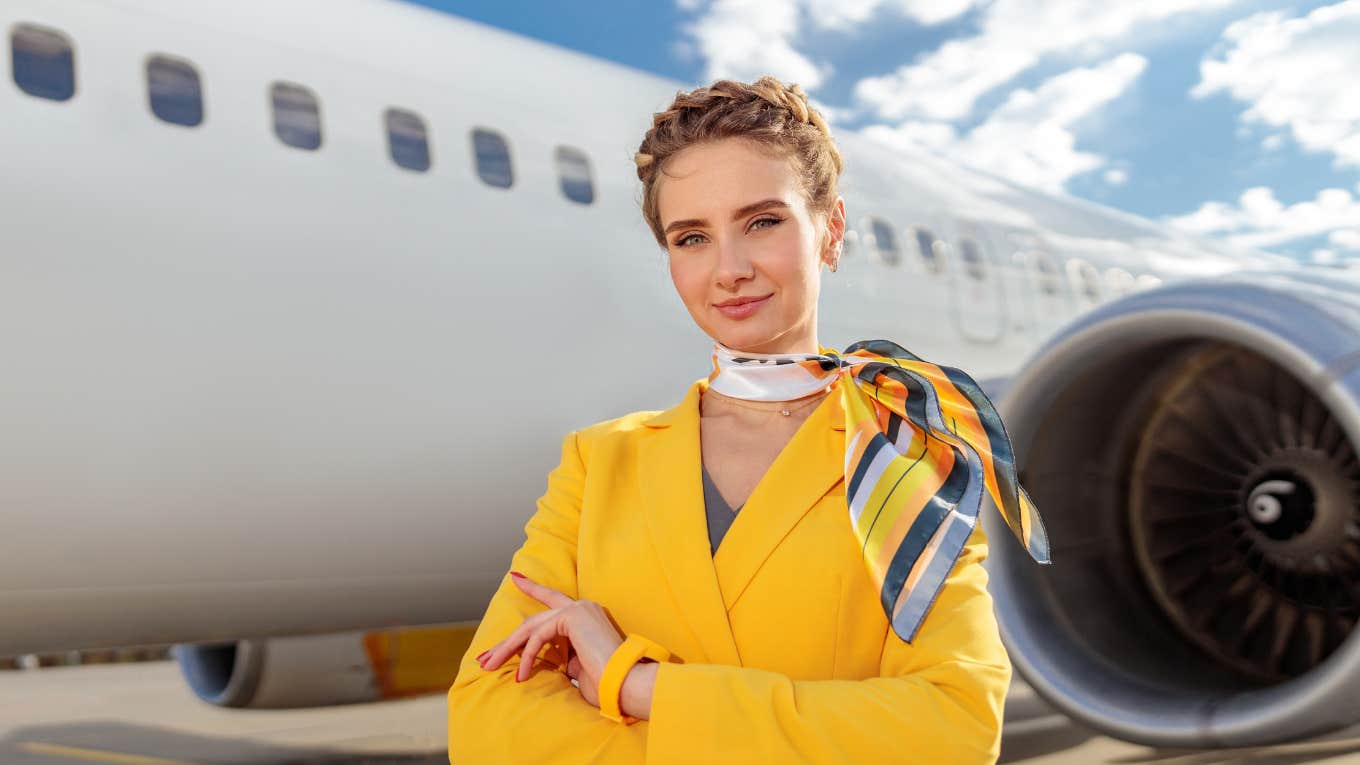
x=923, y=443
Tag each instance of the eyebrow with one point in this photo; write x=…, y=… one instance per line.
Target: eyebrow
x=754, y=207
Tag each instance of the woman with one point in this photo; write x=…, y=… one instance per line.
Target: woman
x=655, y=639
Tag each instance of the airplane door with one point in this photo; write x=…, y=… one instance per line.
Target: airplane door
x=1044, y=281
x=979, y=302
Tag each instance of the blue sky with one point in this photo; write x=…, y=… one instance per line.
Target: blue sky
x=1229, y=118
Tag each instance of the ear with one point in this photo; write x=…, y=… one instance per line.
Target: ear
x=835, y=232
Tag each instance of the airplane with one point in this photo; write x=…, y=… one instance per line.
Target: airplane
x=264, y=263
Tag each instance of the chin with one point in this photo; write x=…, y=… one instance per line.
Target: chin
x=747, y=340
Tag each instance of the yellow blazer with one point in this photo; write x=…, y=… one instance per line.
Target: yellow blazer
x=783, y=652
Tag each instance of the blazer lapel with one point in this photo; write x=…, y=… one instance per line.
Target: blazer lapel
x=807, y=468
x=706, y=585
x=673, y=492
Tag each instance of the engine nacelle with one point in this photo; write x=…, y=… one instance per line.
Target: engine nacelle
x=1192, y=451
x=325, y=670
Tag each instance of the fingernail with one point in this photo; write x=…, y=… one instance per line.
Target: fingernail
x=483, y=654
x=518, y=575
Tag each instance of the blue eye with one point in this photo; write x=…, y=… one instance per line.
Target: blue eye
x=772, y=220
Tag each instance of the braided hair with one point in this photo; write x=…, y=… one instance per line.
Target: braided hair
x=773, y=116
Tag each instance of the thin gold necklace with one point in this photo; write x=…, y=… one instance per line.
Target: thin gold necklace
x=786, y=411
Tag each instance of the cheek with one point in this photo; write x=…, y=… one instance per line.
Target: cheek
x=792, y=268
x=689, y=282
x=801, y=293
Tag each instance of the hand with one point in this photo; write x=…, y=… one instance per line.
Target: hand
x=590, y=635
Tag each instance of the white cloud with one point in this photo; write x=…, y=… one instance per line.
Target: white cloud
x=1272, y=142
x=946, y=83
x=1298, y=73
x=1346, y=239
x=1116, y=177
x=934, y=11
x=1260, y=220
x=744, y=39
x=1029, y=138
x=846, y=14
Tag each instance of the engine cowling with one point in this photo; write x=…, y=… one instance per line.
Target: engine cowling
x=1192, y=450
x=325, y=670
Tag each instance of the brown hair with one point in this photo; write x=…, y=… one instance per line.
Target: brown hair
x=767, y=112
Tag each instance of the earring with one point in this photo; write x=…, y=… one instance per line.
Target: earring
x=834, y=263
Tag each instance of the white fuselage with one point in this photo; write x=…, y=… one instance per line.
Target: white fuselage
x=252, y=389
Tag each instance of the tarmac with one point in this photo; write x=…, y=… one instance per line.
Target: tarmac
x=144, y=714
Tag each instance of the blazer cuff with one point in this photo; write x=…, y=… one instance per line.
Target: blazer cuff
x=634, y=647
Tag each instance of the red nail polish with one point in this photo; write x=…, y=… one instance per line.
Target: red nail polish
x=518, y=574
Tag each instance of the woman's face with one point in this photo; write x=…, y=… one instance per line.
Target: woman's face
x=737, y=227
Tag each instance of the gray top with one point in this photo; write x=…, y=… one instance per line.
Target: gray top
x=720, y=514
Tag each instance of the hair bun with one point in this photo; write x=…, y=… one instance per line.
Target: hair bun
x=790, y=97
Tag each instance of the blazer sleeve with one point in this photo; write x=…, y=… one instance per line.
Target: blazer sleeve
x=493, y=718
x=939, y=699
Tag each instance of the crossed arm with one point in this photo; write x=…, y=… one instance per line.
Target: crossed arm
x=938, y=699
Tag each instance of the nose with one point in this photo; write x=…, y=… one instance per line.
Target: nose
x=732, y=264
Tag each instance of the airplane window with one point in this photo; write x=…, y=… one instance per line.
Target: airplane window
x=885, y=241
x=1119, y=281
x=925, y=247
x=493, y=158
x=43, y=61
x=573, y=173
x=1090, y=282
x=1087, y=278
x=970, y=252
x=407, y=141
x=297, y=116
x=174, y=90
x=1047, y=272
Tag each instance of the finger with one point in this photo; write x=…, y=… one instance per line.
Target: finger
x=531, y=648
x=481, y=657
x=541, y=592
x=505, y=649
x=485, y=655
x=512, y=642
x=574, y=671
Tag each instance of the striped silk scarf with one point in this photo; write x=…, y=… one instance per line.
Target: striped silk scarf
x=922, y=441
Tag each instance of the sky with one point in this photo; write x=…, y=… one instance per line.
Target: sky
x=1234, y=119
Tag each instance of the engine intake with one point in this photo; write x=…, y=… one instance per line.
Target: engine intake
x=1191, y=449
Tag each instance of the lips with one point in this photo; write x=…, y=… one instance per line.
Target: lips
x=740, y=301
x=744, y=308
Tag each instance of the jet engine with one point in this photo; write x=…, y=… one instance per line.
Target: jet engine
x=1192, y=450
